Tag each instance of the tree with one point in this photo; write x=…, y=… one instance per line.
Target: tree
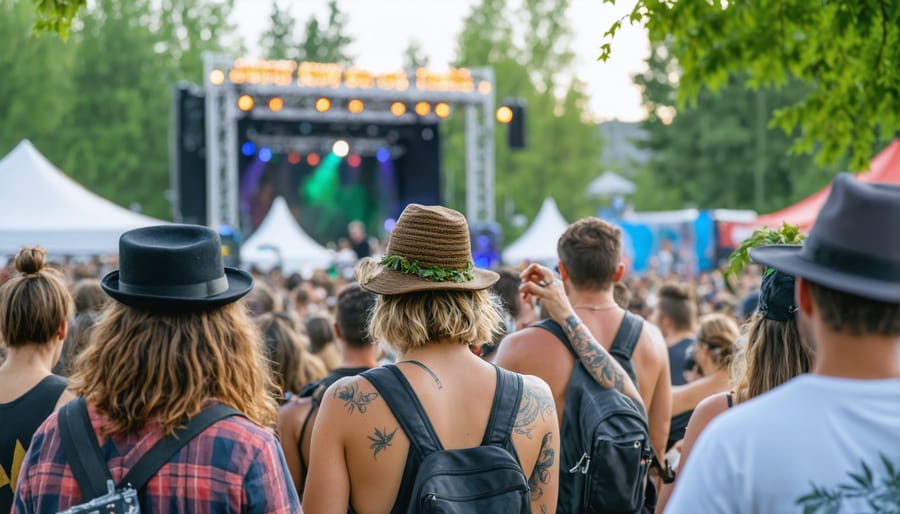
x=327, y=44
x=278, y=39
x=847, y=51
x=414, y=56
x=718, y=151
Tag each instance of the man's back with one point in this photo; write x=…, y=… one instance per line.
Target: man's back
x=535, y=351
x=815, y=441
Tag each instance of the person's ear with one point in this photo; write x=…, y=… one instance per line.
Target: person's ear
x=63, y=330
x=563, y=272
x=337, y=332
x=620, y=273
x=803, y=296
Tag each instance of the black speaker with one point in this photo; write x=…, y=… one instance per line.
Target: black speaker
x=189, y=153
x=516, y=130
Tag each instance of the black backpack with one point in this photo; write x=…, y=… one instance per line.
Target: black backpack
x=487, y=478
x=606, y=451
x=99, y=492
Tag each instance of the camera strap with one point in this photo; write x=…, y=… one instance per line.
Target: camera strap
x=88, y=464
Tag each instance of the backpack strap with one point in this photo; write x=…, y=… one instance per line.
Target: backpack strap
x=404, y=404
x=627, y=337
x=82, y=449
x=315, y=396
x=168, y=446
x=507, y=397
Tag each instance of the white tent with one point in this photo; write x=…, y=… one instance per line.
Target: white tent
x=40, y=205
x=610, y=184
x=538, y=243
x=279, y=240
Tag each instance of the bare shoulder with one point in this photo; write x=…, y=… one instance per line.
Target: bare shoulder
x=526, y=336
x=292, y=414
x=535, y=408
x=354, y=393
x=652, y=342
x=709, y=408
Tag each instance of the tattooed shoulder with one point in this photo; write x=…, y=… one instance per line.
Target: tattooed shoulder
x=536, y=405
x=354, y=398
x=380, y=441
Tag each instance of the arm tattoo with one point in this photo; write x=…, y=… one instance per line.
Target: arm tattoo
x=535, y=402
x=596, y=360
x=426, y=368
x=540, y=475
x=380, y=441
x=354, y=399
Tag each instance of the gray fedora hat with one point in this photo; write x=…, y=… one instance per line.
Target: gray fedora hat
x=854, y=245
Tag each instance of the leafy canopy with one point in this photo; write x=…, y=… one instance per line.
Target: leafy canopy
x=848, y=50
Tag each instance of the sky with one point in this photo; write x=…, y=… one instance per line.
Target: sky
x=382, y=29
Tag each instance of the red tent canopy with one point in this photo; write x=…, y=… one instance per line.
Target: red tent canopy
x=885, y=168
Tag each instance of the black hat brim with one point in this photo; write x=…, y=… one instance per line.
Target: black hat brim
x=791, y=260
x=239, y=284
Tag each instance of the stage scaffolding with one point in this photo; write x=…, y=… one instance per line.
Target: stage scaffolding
x=301, y=85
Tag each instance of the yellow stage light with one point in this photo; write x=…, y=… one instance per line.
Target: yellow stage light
x=323, y=104
x=423, y=108
x=504, y=114
x=276, y=104
x=398, y=108
x=216, y=77
x=442, y=109
x=484, y=87
x=245, y=102
x=355, y=106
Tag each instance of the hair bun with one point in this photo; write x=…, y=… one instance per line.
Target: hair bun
x=30, y=260
x=675, y=291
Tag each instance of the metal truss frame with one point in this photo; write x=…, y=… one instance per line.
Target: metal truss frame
x=222, y=115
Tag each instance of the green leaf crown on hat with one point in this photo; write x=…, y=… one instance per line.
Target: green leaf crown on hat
x=433, y=273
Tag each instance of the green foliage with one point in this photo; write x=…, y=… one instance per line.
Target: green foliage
x=847, y=51
x=414, y=56
x=432, y=274
x=320, y=43
x=718, y=152
x=531, y=56
x=56, y=15
x=881, y=496
x=787, y=235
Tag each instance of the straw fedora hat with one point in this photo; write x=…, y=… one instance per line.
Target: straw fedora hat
x=174, y=268
x=429, y=250
x=853, y=246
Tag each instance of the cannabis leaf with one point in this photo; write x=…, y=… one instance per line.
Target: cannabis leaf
x=381, y=440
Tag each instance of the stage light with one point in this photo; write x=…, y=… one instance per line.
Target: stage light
x=383, y=155
x=355, y=106
x=313, y=159
x=442, y=109
x=504, y=114
x=245, y=102
x=389, y=225
x=354, y=161
x=216, y=77
x=294, y=158
x=248, y=148
x=276, y=104
x=484, y=87
x=323, y=104
x=265, y=154
x=341, y=148
x=423, y=108
x=398, y=108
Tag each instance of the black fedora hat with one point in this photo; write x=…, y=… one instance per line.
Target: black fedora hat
x=174, y=268
x=854, y=245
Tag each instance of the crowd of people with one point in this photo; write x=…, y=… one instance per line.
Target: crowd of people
x=421, y=383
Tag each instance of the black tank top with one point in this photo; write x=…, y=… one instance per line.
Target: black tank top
x=21, y=419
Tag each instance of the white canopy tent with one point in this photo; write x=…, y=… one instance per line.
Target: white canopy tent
x=610, y=184
x=40, y=205
x=279, y=241
x=538, y=243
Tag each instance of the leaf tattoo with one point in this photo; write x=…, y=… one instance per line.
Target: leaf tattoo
x=381, y=441
x=354, y=399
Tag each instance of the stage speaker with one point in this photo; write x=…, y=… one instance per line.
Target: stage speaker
x=188, y=147
x=516, y=130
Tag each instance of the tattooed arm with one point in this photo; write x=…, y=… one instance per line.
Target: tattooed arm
x=328, y=479
x=542, y=283
x=537, y=422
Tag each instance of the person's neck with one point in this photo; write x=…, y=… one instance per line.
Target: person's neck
x=588, y=300
x=359, y=358
x=438, y=352
x=30, y=359
x=673, y=338
x=865, y=357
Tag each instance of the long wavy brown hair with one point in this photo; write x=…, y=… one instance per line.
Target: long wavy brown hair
x=774, y=353
x=141, y=365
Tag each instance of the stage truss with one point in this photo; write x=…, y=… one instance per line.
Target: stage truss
x=300, y=85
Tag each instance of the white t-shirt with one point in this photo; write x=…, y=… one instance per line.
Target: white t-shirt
x=813, y=443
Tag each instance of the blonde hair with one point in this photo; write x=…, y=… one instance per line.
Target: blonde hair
x=140, y=364
x=407, y=321
x=719, y=333
x=291, y=364
x=34, y=303
x=773, y=354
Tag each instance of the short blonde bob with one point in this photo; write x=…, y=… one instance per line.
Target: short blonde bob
x=413, y=320
x=142, y=365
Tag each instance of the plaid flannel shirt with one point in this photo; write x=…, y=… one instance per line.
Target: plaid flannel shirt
x=232, y=466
